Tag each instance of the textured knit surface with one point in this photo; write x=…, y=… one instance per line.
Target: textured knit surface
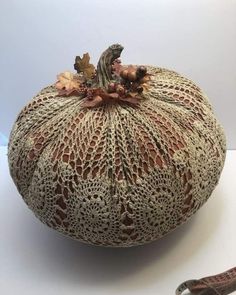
x=116, y=175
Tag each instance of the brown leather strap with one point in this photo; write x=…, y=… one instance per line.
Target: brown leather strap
x=220, y=284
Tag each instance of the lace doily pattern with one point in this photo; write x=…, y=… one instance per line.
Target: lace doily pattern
x=115, y=175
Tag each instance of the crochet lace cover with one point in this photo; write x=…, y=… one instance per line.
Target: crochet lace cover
x=116, y=175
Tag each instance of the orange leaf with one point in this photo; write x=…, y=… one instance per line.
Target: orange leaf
x=67, y=81
x=83, y=65
x=94, y=102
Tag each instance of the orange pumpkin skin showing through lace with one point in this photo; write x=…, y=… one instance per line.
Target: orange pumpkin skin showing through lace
x=118, y=174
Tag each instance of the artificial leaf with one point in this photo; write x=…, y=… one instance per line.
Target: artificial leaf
x=130, y=100
x=67, y=81
x=70, y=84
x=108, y=97
x=83, y=65
x=64, y=92
x=94, y=102
x=131, y=97
x=113, y=96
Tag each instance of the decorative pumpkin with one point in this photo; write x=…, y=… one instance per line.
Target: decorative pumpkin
x=118, y=155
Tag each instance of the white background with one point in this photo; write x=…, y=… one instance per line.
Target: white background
x=40, y=38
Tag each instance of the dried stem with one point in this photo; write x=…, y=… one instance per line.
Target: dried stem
x=104, y=70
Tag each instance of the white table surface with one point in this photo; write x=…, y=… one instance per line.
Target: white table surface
x=35, y=259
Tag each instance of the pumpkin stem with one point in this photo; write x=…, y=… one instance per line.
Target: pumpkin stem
x=104, y=67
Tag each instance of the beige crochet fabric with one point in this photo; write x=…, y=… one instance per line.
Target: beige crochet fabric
x=116, y=175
